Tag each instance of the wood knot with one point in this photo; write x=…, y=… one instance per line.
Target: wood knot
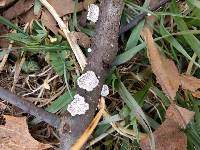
x=66, y=128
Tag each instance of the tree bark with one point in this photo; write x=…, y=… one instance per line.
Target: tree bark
x=104, y=50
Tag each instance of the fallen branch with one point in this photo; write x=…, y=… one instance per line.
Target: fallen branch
x=104, y=50
x=30, y=108
x=141, y=16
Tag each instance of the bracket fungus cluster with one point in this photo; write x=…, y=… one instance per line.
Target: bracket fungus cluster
x=93, y=13
x=88, y=81
x=105, y=90
x=78, y=106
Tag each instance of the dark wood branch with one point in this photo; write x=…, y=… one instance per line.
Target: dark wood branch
x=104, y=50
x=30, y=108
x=153, y=6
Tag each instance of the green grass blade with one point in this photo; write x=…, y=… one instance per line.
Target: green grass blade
x=176, y=44
x=10, y=25
x=37, y=7
x=192, y=41
x=136, y=111
x=127, y=55
x=57, y=105
x=135, y=35
x=195, y=3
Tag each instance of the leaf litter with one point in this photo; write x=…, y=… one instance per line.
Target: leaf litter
x=15, y=135
x=165, y=70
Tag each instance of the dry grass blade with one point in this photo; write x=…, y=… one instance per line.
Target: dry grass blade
x=72, y=40
x=83, y=138
x=18, y=67
x=165, y=70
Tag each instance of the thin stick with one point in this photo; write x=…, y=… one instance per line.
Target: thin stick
x=136, y=20
x=30, y=108
x=72, y=40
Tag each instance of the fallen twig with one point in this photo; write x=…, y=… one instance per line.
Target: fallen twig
x=141, y=16
x=104, y=50
x=30, y=108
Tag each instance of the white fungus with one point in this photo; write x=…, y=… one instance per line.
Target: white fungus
x=78, y=106
x=148, y=14
x=105, y=90
x=89, y=50
x=93, y=13
x=88, y=81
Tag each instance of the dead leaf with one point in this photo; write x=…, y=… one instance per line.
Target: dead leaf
x=15, y=135
x=3, y=42
x=169, y=135
x=62, y=7
x=82, y=39
x=180, y=115
x=191, y=83
x=165, y=70
x=29, y=16
x=18, y=9
x=49, y=22
x=196, y=94
x=4, y=3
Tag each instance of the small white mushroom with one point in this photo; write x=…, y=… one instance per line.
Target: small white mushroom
x=78, y=106
x=93, y=13
x=148, y=14
x=89, y=50
x=88, y=81
x=105, y=90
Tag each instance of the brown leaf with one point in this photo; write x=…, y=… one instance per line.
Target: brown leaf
x=82, y=39
x=3, y=42
x=196, y=94
x=165, y=70
x=4, y=3
x=190, y=83
x=169, y=135
x=49, y=22
x=15, y=135
x=180, y=115
x=18, y=9
x=62, y=7
x=29, y=16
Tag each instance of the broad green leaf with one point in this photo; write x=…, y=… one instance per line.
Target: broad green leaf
x=127, y=55
x=60, y=102
x=135, y=35
x=58, y=60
